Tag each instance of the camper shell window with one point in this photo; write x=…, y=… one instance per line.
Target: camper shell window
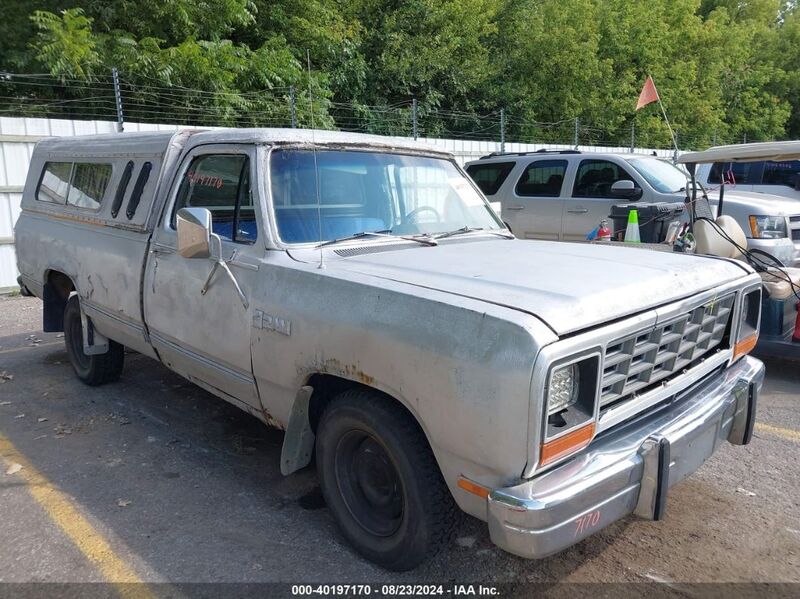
x=54, y=184
x=79, y=184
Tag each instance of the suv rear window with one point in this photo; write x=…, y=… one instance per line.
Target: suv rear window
x=542, y=178
x=489, y=177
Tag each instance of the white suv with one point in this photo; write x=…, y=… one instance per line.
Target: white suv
x=563, y=195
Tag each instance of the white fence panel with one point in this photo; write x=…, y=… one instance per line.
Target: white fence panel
x=19, y=135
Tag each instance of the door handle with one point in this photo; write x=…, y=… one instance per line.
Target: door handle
x=515, y=207
x=578, y=211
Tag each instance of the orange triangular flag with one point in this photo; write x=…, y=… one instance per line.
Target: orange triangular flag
x=649, y=93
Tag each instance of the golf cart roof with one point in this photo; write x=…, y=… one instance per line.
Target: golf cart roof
x=772, y=150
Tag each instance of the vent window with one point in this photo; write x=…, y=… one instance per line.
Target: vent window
x=138, y=188
x=121, y=189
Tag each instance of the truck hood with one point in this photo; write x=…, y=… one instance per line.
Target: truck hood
x=569, y=286
x=757, y=203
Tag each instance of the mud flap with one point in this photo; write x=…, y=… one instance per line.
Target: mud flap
x=93, y=342
x=299, y=440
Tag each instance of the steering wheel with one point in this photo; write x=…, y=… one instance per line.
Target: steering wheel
x=411, y=216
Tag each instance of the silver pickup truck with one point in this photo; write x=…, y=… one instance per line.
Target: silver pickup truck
x=359, y=293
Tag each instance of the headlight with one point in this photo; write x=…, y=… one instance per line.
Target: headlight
x=768, y=227
x=570, y=406
x=562, y=391
x=749, y=319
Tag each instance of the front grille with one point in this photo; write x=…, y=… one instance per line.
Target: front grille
x=795, y=234
x=637, y=362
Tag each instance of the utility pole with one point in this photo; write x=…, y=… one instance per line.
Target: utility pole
x=414, y=117
x=745, y=138
x=633, y=136
x=502, y=130
x=118, y=100
x=577, y=131
x=675, y=153
x=293, y=106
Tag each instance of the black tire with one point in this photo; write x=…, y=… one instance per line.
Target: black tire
x=92, y=370
x=381, y=481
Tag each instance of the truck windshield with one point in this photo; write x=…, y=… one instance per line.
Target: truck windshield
x=342, y=193
x=663, y=176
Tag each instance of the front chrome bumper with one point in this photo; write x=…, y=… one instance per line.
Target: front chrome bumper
x=629, y=469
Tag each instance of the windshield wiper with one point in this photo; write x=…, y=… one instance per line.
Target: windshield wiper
x=424, y=240
x=467, y=229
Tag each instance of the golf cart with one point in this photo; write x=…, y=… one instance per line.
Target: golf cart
x=720, y=235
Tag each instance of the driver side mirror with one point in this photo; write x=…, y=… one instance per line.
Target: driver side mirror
x=626, y=189
x=194, y=232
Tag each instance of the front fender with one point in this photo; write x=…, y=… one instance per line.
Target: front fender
x=461, y=367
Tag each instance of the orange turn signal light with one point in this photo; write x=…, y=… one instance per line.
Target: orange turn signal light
x=745, y=346
x=473, y=488
x=754, y=227
x=569, y=443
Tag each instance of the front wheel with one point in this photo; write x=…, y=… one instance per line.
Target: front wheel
x=381, y=481
x=92, y=370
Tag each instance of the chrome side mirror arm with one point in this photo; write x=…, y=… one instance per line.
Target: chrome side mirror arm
x=219, y=262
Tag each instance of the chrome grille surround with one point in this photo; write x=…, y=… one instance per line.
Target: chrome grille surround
x=637, y=361
x=602, y=338
x=794, y=227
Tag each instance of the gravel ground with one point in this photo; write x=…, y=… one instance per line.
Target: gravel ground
x=187, y=488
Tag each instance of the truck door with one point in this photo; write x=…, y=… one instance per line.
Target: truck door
x=591, y=199
x=206, y=337
x=534, y=207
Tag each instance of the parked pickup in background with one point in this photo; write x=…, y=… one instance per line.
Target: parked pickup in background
x=359, y=293
x=563, y=195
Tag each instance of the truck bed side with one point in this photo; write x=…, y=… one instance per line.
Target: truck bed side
x=98, y=253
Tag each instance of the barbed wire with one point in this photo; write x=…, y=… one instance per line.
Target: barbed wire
x=150, y=100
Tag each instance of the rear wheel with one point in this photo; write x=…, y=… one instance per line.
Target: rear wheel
x=381, y=481
x=92, y=370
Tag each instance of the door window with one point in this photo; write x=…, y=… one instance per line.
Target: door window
x=542, y=178
x=595, y=178
x=489, y=177
x=221, y=183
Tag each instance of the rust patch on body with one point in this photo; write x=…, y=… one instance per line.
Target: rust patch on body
x=350, y=371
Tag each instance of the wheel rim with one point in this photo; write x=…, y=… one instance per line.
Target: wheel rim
x=75, y=341
x=369, y=483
